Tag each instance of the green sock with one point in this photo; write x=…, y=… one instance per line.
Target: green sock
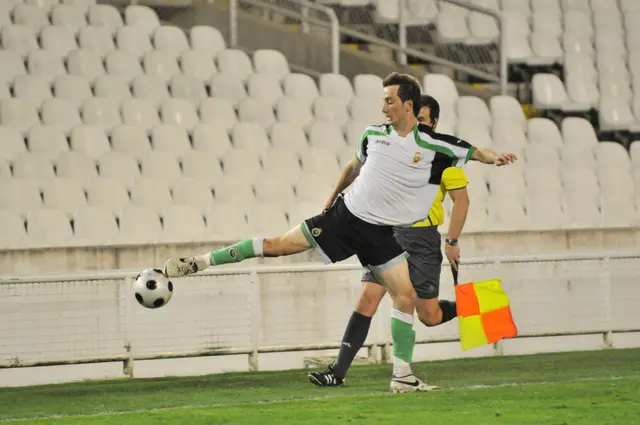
x=243, y=250
x=404, y=338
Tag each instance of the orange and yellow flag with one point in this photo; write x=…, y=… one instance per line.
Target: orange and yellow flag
x=484, y=314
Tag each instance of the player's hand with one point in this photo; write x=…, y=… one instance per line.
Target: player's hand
x=453, y=254
x=506, y=159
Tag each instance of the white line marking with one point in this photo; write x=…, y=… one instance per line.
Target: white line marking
x=316, y=398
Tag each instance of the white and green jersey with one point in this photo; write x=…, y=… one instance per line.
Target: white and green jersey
x=400, y=176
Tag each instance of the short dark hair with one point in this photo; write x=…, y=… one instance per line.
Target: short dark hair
x=433, y=105
x=408, y=88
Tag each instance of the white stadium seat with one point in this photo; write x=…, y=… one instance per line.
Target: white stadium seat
x=217, y=111
x=119, y=166
x=48, y=229
x=170, y=138
x=12, y=227
x=253, y=110
x=139, y=225
x=108, y=194
x=180, y=112
x=58, y=40
x=150, y=193
x=228, y=87
x=85, y=64
x=106, y=16
x=273, y=189
x=336, y=86
x=281, y=162
x=96, y=40
x=196, y=65
x=33, y=89
x=75, y=165
x=211, y=139
x=68, y=16
x=95, y=226
x=72, y=88
x=271, y=62
x=36, y=166
x=133, y=40
x=250, y=136
x=206, y=39
x=234, y=62
x=123, y=64
x=44, y=64
x=233, y=227
x=112, y=87
x=300, y=87
x=549, y=92
x=19, y=195
x=89, y=140
x=192, y=191
x=140, y=112
x=174, y=218
x=47, y=141
x=141, y=17
x=160, y=166
x=201, y=167
x=170, y=39
x=13, y=143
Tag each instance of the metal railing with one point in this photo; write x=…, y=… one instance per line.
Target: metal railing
x=502, y=75
x=91, y=317
x=336, y=31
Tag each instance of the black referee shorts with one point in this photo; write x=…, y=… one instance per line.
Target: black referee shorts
x=337, y=234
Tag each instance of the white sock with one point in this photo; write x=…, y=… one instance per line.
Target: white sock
x=401, y=368
x=202, y=261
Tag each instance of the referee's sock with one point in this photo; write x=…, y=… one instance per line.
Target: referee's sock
x=448, y=310
x=354, y=337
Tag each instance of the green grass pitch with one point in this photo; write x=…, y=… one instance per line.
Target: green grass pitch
x=578, y=388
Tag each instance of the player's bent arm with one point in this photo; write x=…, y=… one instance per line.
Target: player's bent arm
x=348, y=175
x=460, y=198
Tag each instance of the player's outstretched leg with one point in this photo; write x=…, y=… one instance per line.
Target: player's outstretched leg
x=292, y=242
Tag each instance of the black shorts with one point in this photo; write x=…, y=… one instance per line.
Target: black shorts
x=336, y=234
x=425, y=259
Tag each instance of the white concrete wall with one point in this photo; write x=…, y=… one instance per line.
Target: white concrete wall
x=76, y=320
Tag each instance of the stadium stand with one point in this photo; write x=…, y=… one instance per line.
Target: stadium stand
x=116, y=128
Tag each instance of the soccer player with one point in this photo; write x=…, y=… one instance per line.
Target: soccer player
x=398, y=168
x=422, y=241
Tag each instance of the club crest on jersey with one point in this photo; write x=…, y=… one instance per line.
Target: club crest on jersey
x=417, y=157
x=316, y=232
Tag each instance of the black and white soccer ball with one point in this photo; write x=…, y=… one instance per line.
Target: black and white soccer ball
x=152, y=289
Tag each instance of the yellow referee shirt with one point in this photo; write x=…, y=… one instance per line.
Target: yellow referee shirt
x=452, y=178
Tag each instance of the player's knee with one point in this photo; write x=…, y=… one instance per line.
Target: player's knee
x=367, y=306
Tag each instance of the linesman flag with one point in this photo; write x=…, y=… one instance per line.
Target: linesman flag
x=484, y=315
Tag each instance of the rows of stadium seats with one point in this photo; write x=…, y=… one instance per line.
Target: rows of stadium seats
x=107, y=142
x=601, y=43
x=597, y=41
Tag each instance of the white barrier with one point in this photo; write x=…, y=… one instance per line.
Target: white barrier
x=93, y=317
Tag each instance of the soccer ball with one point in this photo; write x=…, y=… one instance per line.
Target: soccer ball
x=152, y=289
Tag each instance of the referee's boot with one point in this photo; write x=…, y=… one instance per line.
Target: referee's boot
x=410, y=384
x=326, y=379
